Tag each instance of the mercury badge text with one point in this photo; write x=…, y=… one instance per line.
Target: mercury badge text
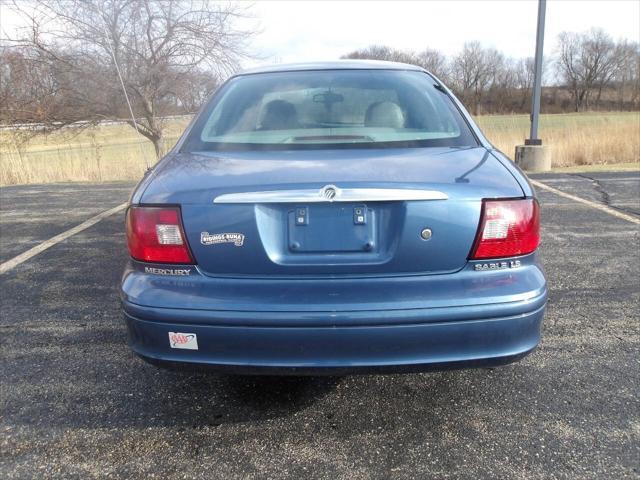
x=168, y=271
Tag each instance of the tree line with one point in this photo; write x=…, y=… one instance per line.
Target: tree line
x=585, y=71
x=72, y=60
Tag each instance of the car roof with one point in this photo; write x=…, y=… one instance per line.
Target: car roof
x=333, y=65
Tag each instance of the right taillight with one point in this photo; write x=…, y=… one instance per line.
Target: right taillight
x=507, y=228
x=155, y=234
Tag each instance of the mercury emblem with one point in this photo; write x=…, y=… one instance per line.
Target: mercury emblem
x=329, y=192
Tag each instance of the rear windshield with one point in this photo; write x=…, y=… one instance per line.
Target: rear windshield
x=329, y=109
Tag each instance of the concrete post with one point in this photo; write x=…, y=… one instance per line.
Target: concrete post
x=533, y=158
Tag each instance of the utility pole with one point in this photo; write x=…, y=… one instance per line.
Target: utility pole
x=532, y=156
x=537, y=77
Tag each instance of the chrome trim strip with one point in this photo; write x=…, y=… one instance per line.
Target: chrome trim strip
x=341, y=195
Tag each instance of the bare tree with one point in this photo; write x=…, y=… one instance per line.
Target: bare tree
x=27, y=88
x=626, y=78
x=474, y=69
x=382, y=52
x=504, y=83
x=570, y=68
x=165, y=49
x=610, y=57
x=173, y=53
x=429, y=59
x=586, y=62
x=524, y=73
x=434, y=62
x=631, y=66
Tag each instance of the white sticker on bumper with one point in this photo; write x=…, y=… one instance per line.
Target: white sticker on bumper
x=186, y=341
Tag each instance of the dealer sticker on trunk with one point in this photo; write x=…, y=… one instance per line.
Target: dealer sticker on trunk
x=186, y=341
x=207, y=238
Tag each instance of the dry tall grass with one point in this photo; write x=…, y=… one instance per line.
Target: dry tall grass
x=575, y=139
x=113, y=152
x=103, y=153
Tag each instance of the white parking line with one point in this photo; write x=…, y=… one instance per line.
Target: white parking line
x=32, y=252
x=597, y=206
x=585, y=179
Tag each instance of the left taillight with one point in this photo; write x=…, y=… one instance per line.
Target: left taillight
x=155, y=234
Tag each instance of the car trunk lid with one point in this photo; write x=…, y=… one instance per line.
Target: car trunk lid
x=335, y=212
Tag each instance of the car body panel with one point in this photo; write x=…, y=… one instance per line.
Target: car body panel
x=304, y=350
x=464, y=176
x=515, y=170
x=326, y=296
x=344, y=64
x=463, y=173
x=340, y=295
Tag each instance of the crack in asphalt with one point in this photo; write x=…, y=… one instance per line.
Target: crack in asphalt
x=605, y=197
x=598, y=187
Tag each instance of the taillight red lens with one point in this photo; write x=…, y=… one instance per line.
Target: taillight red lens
x=507, y=228
x=155, y=234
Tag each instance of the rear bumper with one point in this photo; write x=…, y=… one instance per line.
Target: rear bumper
x=341, y=325
x=339, y=350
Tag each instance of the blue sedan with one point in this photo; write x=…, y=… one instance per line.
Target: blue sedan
x=339, y=217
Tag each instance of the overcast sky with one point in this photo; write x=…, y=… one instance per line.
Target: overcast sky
x=324, y=30
x=321, y=30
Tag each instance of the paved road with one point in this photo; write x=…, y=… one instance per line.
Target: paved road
x=76, y=402
x=34, y=213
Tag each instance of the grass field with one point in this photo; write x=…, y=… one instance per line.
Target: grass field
x=592, y=138
x=115, y=152
x=103, y=153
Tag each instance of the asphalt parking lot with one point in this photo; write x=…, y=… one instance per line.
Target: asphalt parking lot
x=76, y=402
